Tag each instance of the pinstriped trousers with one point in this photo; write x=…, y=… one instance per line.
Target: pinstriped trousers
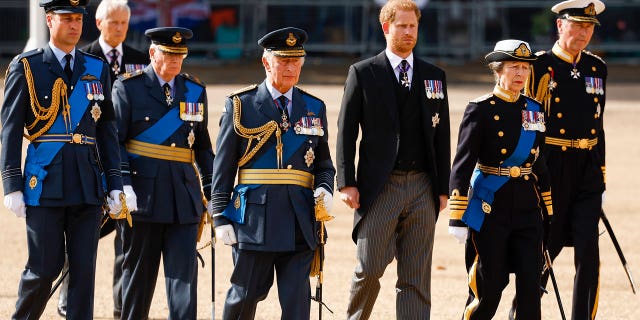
x=400, y=223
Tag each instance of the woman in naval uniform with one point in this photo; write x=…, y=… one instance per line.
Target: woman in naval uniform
x=499, y=188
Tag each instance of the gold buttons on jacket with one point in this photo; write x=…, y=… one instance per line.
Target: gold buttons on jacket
x=527, y=164
x=533, y=151
x=593, y=68
x=596, y=116
x=500, y=134
x=557, y=99
x=595, y=100
x=593, y=131
x=173, y=145
x=496, y=117
x=146, y=118
x=562, y=131
x=559, y=115
x=564, y=148
x=492, y=102
x=503, y=151
x=289, y=166
x=526, y=177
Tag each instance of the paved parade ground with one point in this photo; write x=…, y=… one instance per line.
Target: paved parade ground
x=449, y=287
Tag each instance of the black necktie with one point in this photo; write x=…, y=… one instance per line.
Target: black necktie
x=115, y=66
x=404, y=81
x=67, y=67
x=167, y=92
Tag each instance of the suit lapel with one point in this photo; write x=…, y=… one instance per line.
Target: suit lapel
x=265, y=104
x=418, y=84
x=384, y=79
x=299, y=106
x=78, y=67
x=153, y=85
x=54, y=65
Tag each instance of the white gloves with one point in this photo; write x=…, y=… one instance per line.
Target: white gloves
x=113, y=201
x=14, y=201
x=460, y=233
x=328, y=197
x=226, y=234
x=132, y=199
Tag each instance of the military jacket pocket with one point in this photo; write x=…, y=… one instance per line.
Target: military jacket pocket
x=252, y=231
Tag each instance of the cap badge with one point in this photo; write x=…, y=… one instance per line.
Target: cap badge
x=74, y=2
x=522, y=51
x=291, y=40
x=176, y=37
x=590, y=10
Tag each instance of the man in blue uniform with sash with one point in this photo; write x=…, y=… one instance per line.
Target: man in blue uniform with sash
x=167, y=161
x=274, y=136
x=62, y=97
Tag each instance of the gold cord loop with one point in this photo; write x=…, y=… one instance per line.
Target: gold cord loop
x=49, y=114
x=261, y=134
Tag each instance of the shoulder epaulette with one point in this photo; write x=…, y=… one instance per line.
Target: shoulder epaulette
x=193, y=79
x=129, y=75
x=243, y=90
x=307, y=93
x=594, y=55
x=28, y=54
x=482, y=98
x=91, y=55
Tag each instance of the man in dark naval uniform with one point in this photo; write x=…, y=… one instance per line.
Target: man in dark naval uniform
x=62, y=96
x=570, y=82
x=167, y=161
x=112, y=19
x=274, y=136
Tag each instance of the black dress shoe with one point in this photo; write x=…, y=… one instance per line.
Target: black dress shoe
x=116, y=314
x=62, y=311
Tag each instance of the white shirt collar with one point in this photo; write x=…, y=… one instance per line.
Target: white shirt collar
x=106, y=48
x=395, y=60
x=59, y=54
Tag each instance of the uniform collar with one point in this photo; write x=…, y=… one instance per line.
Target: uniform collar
x=505, y=95
x=564, y=55
x=275, y=94
x=59, y=54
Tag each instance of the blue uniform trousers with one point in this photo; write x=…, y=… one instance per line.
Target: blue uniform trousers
x=143, y=245
x=253, y=277
x=49, y=230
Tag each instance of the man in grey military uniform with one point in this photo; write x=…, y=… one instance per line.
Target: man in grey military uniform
x=62, y=96
x=167, y=162
x=269, y=216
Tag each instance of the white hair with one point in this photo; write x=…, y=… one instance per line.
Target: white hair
x=107, y=6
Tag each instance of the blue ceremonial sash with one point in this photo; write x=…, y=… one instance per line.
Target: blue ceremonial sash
x=40, y=157
x=170, y=122
x=485, y=186
x=268, y=160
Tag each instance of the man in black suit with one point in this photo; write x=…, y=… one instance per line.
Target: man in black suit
x=399, y=103
x=112, y=19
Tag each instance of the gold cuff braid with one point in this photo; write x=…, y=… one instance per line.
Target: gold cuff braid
x=546, y=197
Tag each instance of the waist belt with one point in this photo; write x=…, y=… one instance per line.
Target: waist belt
x=76, y=138
x=572, y=143
x=513, y=172
x=158, y=151
x=276, y=176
